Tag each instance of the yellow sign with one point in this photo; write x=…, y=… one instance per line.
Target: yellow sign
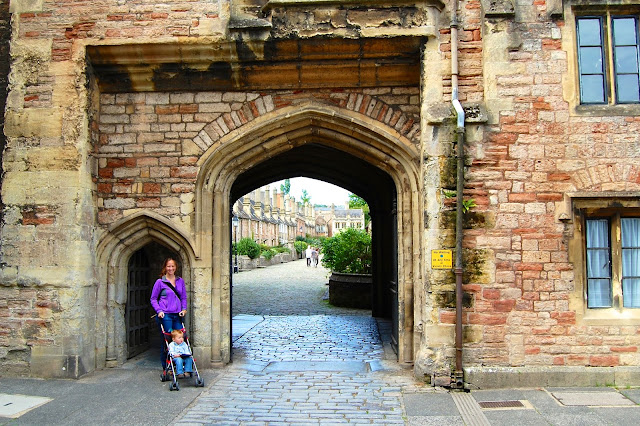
x=441, y=259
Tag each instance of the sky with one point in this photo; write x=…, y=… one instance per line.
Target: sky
x=320, y=192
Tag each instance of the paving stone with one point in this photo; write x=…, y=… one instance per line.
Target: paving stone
x=298, y=360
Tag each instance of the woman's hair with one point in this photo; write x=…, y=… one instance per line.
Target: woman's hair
x=176, y=333
x=164, y=265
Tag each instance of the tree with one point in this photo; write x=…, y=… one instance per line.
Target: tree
x=306, y=198
x=286, y=186
x=300, y=247
x=357, y=202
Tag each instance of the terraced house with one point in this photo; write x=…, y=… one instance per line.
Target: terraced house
x=504, y=131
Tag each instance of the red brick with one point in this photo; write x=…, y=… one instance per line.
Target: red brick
x=490, y=293
x=184, y=172
x=447, y=317
x=604, y=360
x=522, y=197
x=558, y=176
x=504, y=305
x=529, y=266
x=624, y=349
x=148, y=202
x=504, y=138
x=167, y=109
x=487, y=319
x=153, y=188
x=550, y=197
x=564, y=318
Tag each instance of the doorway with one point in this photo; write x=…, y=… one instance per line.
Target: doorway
x=319, y=161
x=335, y=145
x=144, y=267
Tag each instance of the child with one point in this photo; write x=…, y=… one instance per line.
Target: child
x=179, y=351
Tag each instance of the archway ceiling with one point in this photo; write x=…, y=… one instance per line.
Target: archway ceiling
x=253, y=65
x=324, y=163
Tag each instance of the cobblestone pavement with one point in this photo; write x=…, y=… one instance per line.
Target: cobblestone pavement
x=285, y=289
x=301, y=361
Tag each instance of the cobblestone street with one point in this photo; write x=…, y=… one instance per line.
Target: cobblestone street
x=285, y=289
x=298, y=360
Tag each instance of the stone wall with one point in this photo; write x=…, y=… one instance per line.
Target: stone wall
x=5, y=37
x=149, y=144
x=77, y=163
x=536, y=150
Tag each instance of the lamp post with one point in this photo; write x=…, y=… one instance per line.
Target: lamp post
x=234, y=221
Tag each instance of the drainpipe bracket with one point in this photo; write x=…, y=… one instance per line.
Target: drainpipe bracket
x=457, y=380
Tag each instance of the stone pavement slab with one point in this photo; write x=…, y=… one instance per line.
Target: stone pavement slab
x=324, y=367
x=133, y=396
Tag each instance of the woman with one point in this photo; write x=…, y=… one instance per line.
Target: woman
x=169, y=299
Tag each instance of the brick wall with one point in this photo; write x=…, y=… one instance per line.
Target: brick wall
x=537, y=152
x=149, y=144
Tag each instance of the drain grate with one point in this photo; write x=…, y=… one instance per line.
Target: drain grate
x=501, y=404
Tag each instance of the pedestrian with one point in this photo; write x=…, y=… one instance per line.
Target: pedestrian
x=314, y=257
x=181, y=354
x=169, y=300
x=308, y=252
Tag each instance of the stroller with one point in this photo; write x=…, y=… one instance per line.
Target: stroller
x=169, y=371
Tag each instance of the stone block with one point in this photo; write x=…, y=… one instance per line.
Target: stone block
x=350, y=290
x=546, y=376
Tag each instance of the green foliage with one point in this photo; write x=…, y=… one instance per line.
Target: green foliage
x=268, y=253
x=357, y=202
x=248, y=247
x=348, y=252
x=300, y=246
x=281, y=249
x=300, y=238
x=467, y=204
x=286, y=186
x=306, y=198
x=449, y=193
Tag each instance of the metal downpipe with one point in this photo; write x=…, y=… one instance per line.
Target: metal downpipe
x=458, y=377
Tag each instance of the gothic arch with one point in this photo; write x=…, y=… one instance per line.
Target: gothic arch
x=282, y=130
x=115, y=248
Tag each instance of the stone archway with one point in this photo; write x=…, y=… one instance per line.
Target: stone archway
x=276, y=133
x=115, y=249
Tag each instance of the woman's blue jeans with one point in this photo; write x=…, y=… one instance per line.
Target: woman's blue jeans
x=171, y=322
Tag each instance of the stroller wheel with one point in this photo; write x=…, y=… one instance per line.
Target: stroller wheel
x=163, y=377
x=199, y=382
x=174, y=386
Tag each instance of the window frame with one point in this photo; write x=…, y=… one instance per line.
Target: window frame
x=609, y=50
x=613, y=209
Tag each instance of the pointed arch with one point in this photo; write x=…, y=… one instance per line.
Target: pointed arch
x=285, y=129
x=114, y=250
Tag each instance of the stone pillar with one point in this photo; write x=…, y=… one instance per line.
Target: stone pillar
x=49, y=229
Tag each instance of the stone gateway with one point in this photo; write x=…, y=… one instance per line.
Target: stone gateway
x=505, y=132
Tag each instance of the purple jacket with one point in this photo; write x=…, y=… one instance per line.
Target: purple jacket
x=163, y=299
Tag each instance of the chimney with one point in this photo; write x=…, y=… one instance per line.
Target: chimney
x=246, y=204
x=257, y=207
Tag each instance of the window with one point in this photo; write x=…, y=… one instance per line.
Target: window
x=613, y=261
x=608, y=60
